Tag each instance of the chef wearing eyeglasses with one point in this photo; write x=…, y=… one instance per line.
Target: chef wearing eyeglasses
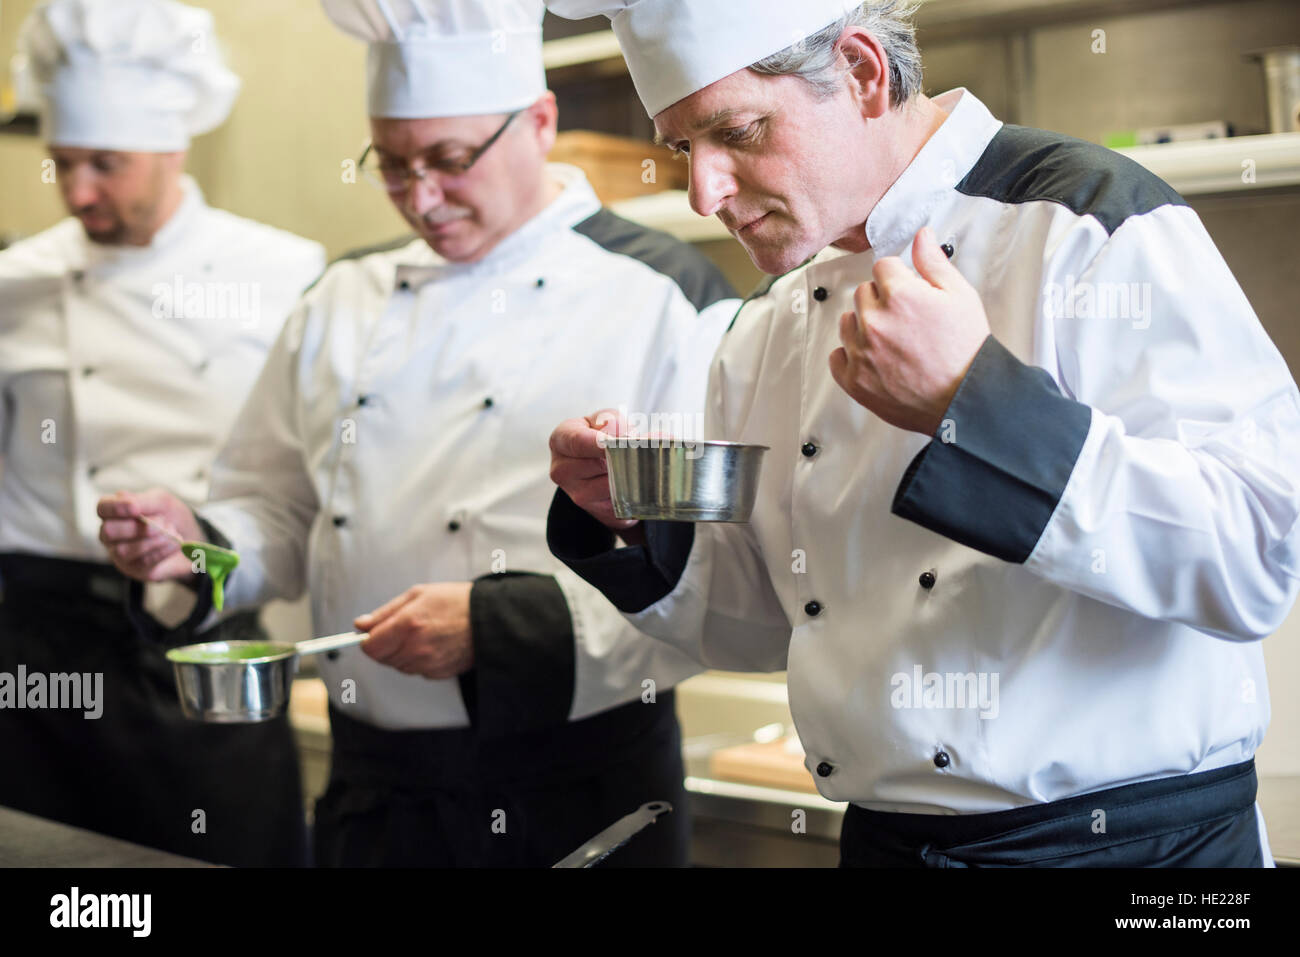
x=393, y=461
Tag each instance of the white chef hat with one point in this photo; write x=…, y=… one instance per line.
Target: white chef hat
x=447, y=57
x=137, y=75
x=674, y=48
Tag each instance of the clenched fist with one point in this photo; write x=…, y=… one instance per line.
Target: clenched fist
x=911, y=338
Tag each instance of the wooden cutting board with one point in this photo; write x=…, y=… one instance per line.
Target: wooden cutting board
x=769, y=764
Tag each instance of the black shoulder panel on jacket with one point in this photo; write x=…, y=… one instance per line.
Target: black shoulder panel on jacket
x=701, y=282
x=1023, y=165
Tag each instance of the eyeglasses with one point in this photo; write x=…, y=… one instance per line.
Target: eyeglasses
x=396, y=176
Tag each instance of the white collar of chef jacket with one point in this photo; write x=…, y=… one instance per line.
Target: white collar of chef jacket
x=941, y=164
x=103, y=257
x=577, y=202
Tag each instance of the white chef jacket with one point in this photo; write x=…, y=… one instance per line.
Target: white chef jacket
x=1143, y=517
x=123, y=367
x=400, y=435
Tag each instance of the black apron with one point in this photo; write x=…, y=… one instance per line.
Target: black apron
x=1193, y=820
x=141, y=770
x=450, y=798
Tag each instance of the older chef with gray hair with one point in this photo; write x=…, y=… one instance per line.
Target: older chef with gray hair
x=393, y=461
x=130, y=334
x=1034, y=478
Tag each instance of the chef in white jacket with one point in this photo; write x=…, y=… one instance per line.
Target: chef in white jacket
x=393, y=461
x=1034, y=475
x=130, y=334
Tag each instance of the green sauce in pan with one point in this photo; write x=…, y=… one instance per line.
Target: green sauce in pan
x=213, y=656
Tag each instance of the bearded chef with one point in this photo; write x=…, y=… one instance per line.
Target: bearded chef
x=129, y=335
x=393, y=461
x=1015, y=546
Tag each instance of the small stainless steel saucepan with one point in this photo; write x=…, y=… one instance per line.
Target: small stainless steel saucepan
x=233, y=682
x=686, y=481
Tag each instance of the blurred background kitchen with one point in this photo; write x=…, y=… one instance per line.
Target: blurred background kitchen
x=1203, y=93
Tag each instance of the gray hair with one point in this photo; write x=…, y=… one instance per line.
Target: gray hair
x=815, y=58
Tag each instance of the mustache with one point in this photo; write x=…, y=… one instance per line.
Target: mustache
x=102, y=211
x=445, y=214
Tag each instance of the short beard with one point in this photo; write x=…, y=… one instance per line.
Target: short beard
x=112, y=237
x=137, y=223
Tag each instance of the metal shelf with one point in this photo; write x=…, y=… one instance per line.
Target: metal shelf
x=1220, y=166
x=937, y=21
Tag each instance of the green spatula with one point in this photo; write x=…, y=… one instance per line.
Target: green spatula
x=215, y=561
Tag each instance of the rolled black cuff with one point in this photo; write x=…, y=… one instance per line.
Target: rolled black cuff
x=993, y=474
x=632, y=578
x=524, y=659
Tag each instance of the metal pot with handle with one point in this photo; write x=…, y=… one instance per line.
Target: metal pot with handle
x=231, y=682
x=234, y=682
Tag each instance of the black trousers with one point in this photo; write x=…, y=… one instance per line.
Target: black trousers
x=1194, y=820
x=141, y=770
x=450, y=798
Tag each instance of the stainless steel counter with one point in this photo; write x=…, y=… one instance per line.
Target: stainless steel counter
x=29, y=841
x=743, y=825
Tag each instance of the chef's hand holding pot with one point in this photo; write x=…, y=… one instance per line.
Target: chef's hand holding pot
x=423, y=631
x=578, y=466
x=142, y=550
x=910, y=339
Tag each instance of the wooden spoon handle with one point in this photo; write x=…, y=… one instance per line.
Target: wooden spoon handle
x=162, y=528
